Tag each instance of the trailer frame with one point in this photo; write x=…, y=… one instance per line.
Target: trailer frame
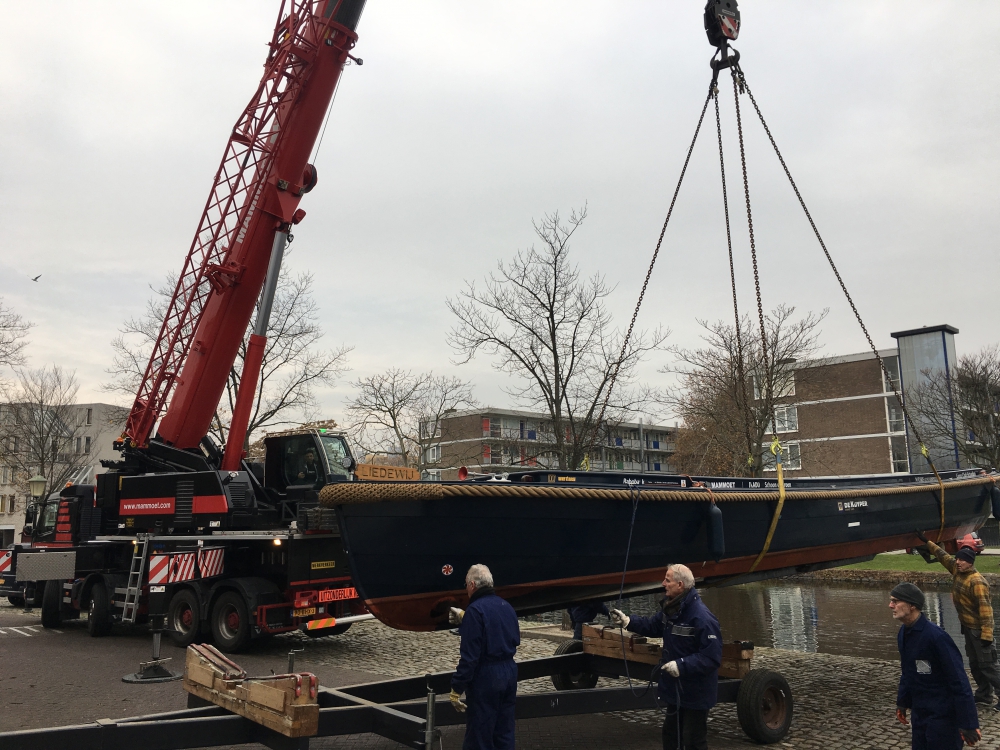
x=409, y=710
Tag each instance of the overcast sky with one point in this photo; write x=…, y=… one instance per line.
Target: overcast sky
x=468, y=120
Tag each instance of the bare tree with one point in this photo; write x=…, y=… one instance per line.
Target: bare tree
x=546, y=325
x=960, y=409
x=39, y=426
x=13, y=336
x=727, y=401
x=398, y=412
x=293, y=365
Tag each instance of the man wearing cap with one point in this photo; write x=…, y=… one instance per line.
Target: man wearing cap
x=933, y=682
x=971, y=595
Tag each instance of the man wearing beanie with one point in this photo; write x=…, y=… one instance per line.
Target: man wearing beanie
x=933, y=682
x=971, y=595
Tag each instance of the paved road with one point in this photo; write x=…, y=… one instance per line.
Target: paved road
x=60, y=677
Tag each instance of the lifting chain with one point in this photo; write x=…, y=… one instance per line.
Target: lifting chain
x=767, y=395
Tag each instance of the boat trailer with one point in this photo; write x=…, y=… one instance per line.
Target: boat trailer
x=409, y=710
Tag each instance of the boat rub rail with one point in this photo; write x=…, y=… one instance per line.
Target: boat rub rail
x=356, y=492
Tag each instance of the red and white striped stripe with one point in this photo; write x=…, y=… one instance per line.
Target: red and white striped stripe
x=158, y=567
x=210, y=561
x=5, y=559
x=181, y=567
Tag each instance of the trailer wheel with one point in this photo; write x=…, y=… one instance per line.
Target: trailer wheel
x=230, y=622
x=572, y=680
x=16, y=601
x=184, y=618
x=764, y=706
x=52, y=604
x=99, y=611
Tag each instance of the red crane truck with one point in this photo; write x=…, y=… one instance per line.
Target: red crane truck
x=232, y=550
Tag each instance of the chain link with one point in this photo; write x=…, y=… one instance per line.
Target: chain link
x=738, y=88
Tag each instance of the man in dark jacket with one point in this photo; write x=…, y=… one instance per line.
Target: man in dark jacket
x=486, y=670
x=933, y=681
x=689, y=667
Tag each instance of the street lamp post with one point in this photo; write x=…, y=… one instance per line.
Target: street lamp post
x=36, y=485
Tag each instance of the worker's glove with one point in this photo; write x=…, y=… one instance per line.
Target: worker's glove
x=456, y=701
x=455, y=615
x=971, y=736
x=672, y=669
x=619, y=619
x=901, y=716
x=922, y=536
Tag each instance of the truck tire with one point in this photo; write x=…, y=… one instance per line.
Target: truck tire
x=36, y=600
x=99, y=611
x=16, y=601
x=764, y=706
x=230, y=622
x=184, y=618
x=572, y=680
x=52, y=604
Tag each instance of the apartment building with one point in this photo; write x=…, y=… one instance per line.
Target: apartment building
x=498, y=440
x=840, y=417
x=88, y=434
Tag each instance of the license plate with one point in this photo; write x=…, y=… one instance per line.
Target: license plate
x=303, y=612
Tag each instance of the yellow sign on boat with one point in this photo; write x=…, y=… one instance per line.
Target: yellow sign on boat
x=374, y=472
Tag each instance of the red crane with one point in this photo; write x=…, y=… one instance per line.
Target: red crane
x=242, y=233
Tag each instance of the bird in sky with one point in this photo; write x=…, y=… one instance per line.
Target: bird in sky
x=37, y=277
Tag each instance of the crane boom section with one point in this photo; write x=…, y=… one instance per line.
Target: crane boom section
x=257, y=189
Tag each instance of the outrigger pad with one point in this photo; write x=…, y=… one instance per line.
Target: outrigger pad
x=286, y=703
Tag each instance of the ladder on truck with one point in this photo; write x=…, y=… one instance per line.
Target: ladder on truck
x=134, y=587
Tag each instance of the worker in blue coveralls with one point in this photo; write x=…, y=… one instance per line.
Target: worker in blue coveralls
x=486, y=670
x=689, y=667
x=933, y=683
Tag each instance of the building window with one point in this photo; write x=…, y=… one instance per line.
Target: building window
x=433, y=475
x=892, y=365
x=783, y=387
x=430, y=429
x=787, y=418
x=899, y=454
x=791, y=458
x=432, y=454
x=894, y=415
x=4, y=476
x=90, y=416
x=86, y=445
x=79, y=444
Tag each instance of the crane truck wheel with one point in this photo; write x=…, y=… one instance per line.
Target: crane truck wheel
x=16, y=601
x=52, y=604
x=99, y=611
x=184, y=618
x=230, y=622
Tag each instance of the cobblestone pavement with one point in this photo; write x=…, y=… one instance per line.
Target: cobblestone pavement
x=63, y=677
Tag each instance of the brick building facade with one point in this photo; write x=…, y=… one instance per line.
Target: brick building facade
x=841, y=418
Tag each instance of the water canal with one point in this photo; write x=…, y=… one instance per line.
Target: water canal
x=826, y=618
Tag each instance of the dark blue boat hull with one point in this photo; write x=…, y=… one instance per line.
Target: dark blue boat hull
x=408, y=558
